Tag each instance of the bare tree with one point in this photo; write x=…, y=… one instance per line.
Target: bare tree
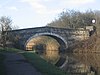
x=5, y=23
x=73, y=19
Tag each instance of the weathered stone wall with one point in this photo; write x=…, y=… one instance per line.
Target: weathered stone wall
x=68, y=36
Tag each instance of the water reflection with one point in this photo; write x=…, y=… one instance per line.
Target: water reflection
x=86, y=63
x=77, y=62
x=90, y=59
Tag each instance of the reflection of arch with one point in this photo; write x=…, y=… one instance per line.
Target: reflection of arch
x=55, y=36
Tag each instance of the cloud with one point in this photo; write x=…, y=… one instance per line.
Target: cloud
x=12, y=8
x=37, y=6
x=77, y=2
x=84, y=1
x=41, y=8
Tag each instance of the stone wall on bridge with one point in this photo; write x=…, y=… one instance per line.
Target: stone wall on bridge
x=67, y=36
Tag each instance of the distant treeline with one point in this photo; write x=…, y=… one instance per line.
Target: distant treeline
x=76, y=19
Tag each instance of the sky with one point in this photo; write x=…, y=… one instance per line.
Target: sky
x=37, y=13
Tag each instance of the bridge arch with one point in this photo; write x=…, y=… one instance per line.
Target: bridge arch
x=59, y=38
x=58, y=53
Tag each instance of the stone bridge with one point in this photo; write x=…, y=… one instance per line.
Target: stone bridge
x=24, y=39
x=65, y=37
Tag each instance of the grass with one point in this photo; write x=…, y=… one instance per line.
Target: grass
x=10, y=50
x=2, y=67
x=41, y=65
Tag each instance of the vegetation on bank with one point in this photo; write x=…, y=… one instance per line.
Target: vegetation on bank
x=88, y=52
x=77, y=19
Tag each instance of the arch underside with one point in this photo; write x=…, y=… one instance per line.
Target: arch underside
x=59, y=39
x=48, y=46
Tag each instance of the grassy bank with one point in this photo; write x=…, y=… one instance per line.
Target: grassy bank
x=10, y=50
x=41, y=65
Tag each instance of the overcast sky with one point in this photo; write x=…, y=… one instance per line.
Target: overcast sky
x=36, y=13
